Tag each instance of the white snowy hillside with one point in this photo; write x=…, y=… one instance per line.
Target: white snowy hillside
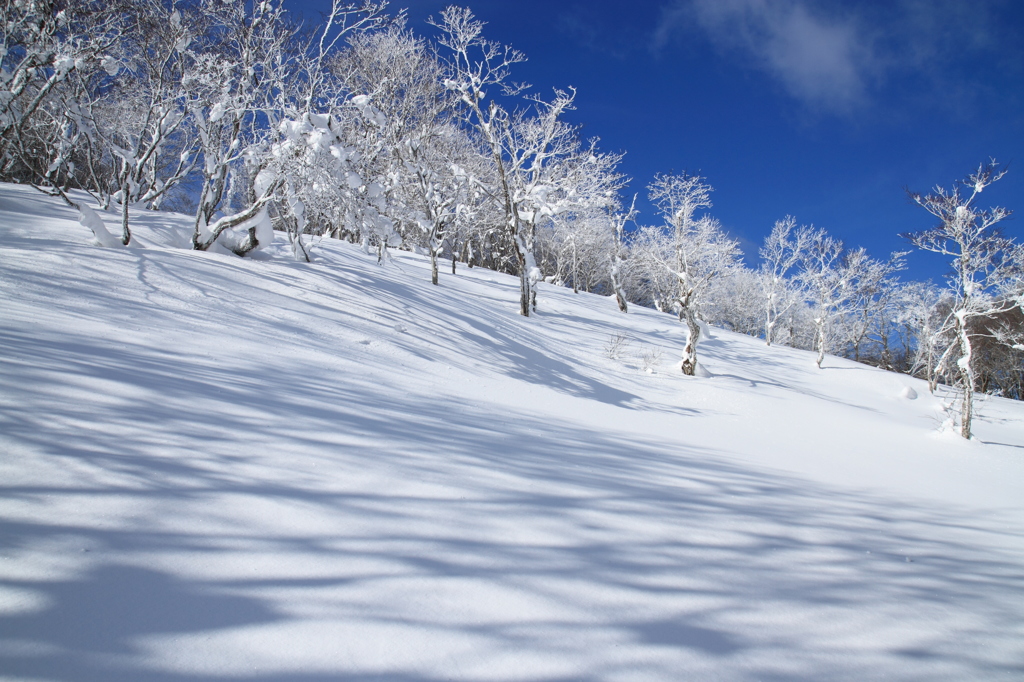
x=215, y=468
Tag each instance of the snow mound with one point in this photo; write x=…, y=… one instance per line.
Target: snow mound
x=90, y=219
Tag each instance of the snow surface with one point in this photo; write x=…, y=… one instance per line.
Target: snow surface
x=215, y=468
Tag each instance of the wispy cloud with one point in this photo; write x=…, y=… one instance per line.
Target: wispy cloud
x=831, y=54
x=820, y=59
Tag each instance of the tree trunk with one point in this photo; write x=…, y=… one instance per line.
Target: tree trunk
x=819, y=332
x=299, y=249
x=620, y=300
x=524, y=291
x=575, y=268
x=248, y=244
x=887, y=360
x=526, y=295
x=202, y=243
x=965, y=364
x=967, y=409
x=689, y=364
x=126, y=234
x=620, y=296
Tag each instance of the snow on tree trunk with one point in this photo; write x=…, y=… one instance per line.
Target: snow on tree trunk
x=524, y=291
x=966, y=369
x=250, y=221
x=90, y=219
x=819, y=341
x=620, y=295
x=618, y=260
x=689, y=361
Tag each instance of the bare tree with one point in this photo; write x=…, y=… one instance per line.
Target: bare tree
x=523, y=148
x=700, y=250
x=230, y=68
x=579, y=198
x=617, y=272
x=827, y=280
x=136, y=148
x=921, y=310
x=781, y=254
x=873, y=283
x=987, y=270
x=46, y=48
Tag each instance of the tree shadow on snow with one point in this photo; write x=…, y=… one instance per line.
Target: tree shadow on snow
x=668, y=552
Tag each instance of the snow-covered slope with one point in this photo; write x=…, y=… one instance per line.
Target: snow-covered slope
x=214, y=468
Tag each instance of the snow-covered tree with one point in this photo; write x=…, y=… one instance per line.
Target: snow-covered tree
x=440, y=187
x=781, y=253
x=523, y=147
x=537, y=151
x=873, y=284
x=1000, y=354
x=314, y=87
x=700, y=250
x=828, y=282
x=920, y=310
x=581, y=201
x=314, y=125
x=651, y=282
x=474, y=66
x=478, y=219
x=417, y=149
x=884, y=345
x=735, y=301
x=987, y=271
x=42, y=43
x=48, y=48
x=138, y=144
x=617, y=270
x=247, y=76
x=238, y=55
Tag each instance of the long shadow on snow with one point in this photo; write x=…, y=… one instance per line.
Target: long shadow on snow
x=655, y=524
x=505, y=346
x=499, y=345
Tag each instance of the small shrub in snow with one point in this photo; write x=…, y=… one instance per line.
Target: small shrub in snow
x=616, y=346
x=650, y=357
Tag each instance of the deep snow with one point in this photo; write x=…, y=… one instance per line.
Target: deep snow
x=216, y=468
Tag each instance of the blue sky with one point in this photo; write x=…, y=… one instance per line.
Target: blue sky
x=822, y=109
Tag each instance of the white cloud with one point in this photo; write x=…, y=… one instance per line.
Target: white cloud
x=839, y=55
x=822, y=59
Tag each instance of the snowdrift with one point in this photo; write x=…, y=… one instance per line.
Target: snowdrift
x=218, y=468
